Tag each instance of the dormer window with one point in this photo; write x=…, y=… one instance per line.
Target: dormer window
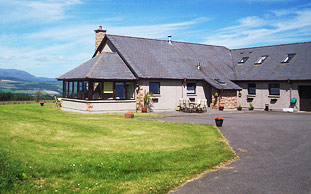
x=220, y=82
x=261, y=59
x=288, y=58
x=243, y=60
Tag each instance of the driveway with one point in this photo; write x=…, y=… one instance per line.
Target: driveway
x=274, y=150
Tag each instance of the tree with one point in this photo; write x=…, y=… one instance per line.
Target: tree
x=38, y=95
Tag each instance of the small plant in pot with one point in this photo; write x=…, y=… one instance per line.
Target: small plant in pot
x=239, y=107
x=251, y=107
x=147, y=101
x=221, y=107
x=219, y=121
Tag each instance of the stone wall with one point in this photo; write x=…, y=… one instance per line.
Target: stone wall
x=226, y=98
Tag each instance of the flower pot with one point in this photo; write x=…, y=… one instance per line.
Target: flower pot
x=221, y=108
x=239, y=108
x=251, y=108
x=219, y=122
x=42, y=103
x=144, y=109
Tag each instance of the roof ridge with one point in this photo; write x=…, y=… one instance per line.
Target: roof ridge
x=167, y=41
x=95, y=65
x=271, y=45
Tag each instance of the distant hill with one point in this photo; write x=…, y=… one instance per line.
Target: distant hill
x=17, y=81
x=19, y=75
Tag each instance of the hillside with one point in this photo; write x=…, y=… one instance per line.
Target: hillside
x=19, y=75
x=17, y=81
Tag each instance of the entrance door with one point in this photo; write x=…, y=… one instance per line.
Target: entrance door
x=305, y=98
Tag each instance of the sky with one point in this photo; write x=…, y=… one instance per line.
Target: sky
x=50, y=37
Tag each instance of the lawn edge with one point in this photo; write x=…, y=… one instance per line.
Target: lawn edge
x=214, y=169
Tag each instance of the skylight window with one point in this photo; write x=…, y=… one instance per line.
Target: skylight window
x=220, y=82
x=261, y=59
x=288, y=58
x=243, y=60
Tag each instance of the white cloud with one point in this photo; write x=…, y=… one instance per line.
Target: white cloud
x=59, y=49
x=285, y=26
x=43, y=11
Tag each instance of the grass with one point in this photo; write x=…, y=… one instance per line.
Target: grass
x=68, y=152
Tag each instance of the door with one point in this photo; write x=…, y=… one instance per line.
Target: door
x=305, y=98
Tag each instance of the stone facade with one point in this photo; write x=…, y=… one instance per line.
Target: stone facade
x=226, y=98
x=99, y=35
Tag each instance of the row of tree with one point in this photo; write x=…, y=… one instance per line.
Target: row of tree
x=8, y=96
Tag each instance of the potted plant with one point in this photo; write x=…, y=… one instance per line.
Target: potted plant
x=221, y=107
x=41, y=103
x=219, y=121
x=251, y=107
x=147, y=101
x=239, y=107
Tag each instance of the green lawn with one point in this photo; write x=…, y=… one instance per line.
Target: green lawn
x=68, y=152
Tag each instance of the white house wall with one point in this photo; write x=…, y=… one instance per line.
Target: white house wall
x=262, y=94
x=171, y=91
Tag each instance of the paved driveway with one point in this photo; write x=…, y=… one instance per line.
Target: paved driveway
x=274, y=150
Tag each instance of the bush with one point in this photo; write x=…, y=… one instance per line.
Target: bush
x=10, y=171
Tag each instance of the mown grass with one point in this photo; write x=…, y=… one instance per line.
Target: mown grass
x=104, y=153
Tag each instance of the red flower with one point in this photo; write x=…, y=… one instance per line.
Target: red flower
x=219, y=118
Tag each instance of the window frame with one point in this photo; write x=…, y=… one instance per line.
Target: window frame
x=279, y=89
x=249, y=87
x=291, y=55
x=195, y=87
x=159, y=86
x=261, y=60
x=243, y=61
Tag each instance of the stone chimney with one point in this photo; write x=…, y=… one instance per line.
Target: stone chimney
x=99, y=35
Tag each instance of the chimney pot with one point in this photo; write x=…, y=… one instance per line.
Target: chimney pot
x=199, y=65
x=169, y=39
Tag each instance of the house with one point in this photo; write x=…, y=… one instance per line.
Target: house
x=123, y=68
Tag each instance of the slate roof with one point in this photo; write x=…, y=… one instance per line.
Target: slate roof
x=299, y=68
x=151, y=58
x=157, y=59
x=103, y=66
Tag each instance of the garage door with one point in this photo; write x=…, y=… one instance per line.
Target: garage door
x=305, y=98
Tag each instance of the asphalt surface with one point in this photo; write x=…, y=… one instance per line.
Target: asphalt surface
x=274, y=150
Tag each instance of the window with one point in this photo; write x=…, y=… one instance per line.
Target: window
x=219, y=81
x=120, y=90
x=65, y=88
x=97, y=90
x=70, y=89
x=288, y=58
x=130, y=90
x=154, y=87
x=261, y=59
x=108, y=90
x=191, y=88
x=86, y=89
x=80, y=90
x=274, y=89
x=252, y=89
x=243, y=60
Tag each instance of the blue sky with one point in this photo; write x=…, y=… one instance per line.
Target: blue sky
x=48, y=38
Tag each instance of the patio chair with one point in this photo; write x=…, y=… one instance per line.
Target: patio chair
x=204, y=104
x=199, y=105
x=188, y=107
